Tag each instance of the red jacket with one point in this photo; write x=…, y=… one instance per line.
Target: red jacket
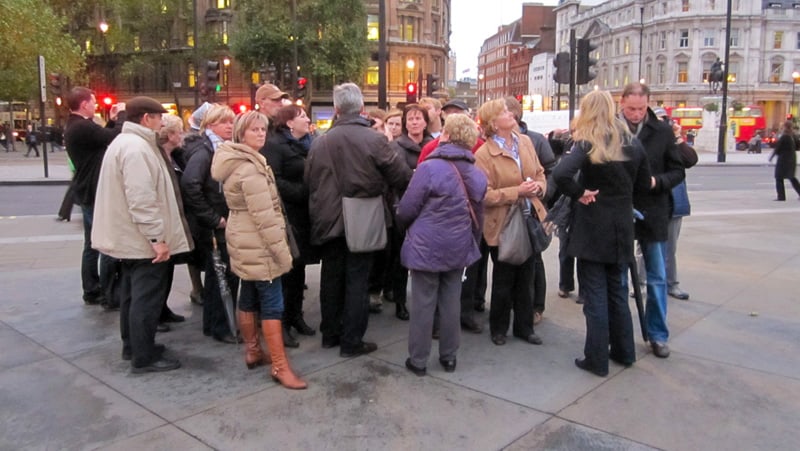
x=435, y=143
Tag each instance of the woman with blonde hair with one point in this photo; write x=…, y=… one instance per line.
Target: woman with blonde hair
x=513, y=172
x=613, y=169
x=257, y=242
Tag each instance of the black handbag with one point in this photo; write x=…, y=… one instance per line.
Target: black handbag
x=540, y=236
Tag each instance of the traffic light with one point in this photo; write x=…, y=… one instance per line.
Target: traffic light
x=585, y=72
x=55, y=85
x=239, y=108
x=433, y=84
x=411, y=93
x=562, y=73
x=212, y=74
x=300, y=89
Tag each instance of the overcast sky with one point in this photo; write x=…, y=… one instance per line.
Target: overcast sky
x=473, y=22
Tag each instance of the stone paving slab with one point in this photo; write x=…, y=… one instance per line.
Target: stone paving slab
x=558, y=435
x=162, y=438
x=18, y=349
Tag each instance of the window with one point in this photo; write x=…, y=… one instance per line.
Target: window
x=734, y=37
x=372, y=76
x=652, y=41
x=683, y=42
x=625, y=75
x=616, y=47
x=777, y=40
x=435, y=27
x=683, y=72
x=616, y=77
x=712, y=4
x=708, y=38
x=775, y=72
x=733, y=69
x=192, y=80
x=663, y=41
x=797, y=45
x=627, y=46
x=685, y=5
x=408, y=29
x=373, y=29
x=648, y=73
x=664, y=7
x=223, y=4
x=661, y=76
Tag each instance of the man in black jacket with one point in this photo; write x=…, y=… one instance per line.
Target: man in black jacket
x=86, y=144
x=351, y=160
x=666, y=171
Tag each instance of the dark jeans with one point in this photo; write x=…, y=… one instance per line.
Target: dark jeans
x=608, y=315
x=539, y=283
x=512, y=288
x=264, y=297
x=397, y=272
x=475, y=276
x=379, y=276
x=143, y=288
x=34, y=147
x=214, y=322
x=343, y=295
x=95, y=267
x=781, y=188
x=566, y=266
x=293, y=282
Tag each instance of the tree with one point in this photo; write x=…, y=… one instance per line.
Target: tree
x=29, y=28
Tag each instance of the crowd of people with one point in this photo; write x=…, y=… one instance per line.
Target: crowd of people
x=263, y=195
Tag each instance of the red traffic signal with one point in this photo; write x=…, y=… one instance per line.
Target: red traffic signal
x=411, y=93
x=239, y=108
x=108, y=101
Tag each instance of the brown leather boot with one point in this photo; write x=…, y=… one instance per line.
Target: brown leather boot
x=281, y=371
x=253, y=355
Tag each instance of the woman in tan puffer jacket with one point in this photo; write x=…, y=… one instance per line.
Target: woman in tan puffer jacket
x=257, y=242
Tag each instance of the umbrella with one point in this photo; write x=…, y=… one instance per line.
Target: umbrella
x=224, y=289
x=637, y=288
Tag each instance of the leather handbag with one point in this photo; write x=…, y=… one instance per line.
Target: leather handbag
x=539, y=236
x=364, y=223
x=514, y=245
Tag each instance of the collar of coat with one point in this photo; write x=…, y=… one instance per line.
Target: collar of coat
x=244, y=152
x=141, y=131
x=495, y=149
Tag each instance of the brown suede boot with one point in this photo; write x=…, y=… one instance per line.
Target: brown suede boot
x=253, y=355
x=281, y=371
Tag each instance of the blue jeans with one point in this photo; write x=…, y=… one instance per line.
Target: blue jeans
x=656, y=307
x=262, y=296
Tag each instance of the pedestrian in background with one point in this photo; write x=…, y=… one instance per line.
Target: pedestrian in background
x=443, y=199
x=613, y=168
x=286, y=152
x=786, y=165
x=513, y=172
x=32, y=140
x=256, y=242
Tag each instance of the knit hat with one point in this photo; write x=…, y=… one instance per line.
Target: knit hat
x=197, y=117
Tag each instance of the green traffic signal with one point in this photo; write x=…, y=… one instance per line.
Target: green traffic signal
x=218, y=88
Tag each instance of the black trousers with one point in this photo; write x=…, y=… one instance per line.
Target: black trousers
x=608, y=315
x=293, y=282
x=143, y=289
x=781, y=188
x=539, y=283
x=474, y=278
x=512, y=289
x=566, y=265
x=379, y=276
x=343, y=294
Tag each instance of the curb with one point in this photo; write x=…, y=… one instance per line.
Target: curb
x=43, y=182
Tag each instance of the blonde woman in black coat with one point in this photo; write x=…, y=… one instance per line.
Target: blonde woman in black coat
x=613, y=167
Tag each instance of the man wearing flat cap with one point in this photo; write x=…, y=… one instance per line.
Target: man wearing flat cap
x=137, y=219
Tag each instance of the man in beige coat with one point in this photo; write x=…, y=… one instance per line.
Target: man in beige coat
x=137, y=219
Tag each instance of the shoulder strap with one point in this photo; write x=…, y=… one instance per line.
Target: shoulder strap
x=466, y=194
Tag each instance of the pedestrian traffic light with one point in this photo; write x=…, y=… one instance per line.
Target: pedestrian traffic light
x=433, y=84
x=585, y=72
x=212, y=74
x=55, y=85
x=300, y=88
x=562, y=74
x=411, y=93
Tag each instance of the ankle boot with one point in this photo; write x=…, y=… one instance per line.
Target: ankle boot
x=281, y=371
x=401, y=311
x=302, y=328
x=253, y=355
x=288, y=339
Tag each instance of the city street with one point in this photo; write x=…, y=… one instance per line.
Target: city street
x=730, y=383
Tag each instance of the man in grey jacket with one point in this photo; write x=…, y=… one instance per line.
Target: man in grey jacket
x=137, y=219
x=350, y=160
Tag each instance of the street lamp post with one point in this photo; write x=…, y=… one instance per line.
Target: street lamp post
x=481, y=89
x=793, y=106
x=103, y=30
x=227, y=64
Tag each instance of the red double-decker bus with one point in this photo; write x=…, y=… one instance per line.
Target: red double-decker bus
x=689, y=118
x=743, y=123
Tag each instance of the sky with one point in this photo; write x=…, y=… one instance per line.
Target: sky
x=473, y=22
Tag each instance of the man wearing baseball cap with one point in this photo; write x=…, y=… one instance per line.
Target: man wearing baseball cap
x=269, y=99
x=138, y=220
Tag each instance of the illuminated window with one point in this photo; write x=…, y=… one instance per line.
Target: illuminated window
x=777, y=41
x=223, y=4
x=685, y=5
x=627, y=46
x=733, y=69
x=372, y=76
x=373, y=28
x=192, y=81
x=683, y=72
x=190, y=39
x=224, y=32
x=775, y=72
x=683, y=41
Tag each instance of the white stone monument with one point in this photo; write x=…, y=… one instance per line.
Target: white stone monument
x=707, y=139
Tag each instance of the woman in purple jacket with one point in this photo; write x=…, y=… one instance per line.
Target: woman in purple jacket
x=442, y=210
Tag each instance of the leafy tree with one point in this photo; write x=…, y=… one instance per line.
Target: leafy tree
x=29, y=28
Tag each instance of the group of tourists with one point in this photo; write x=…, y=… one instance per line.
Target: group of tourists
x=259, y=193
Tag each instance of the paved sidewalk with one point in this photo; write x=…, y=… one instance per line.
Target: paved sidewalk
x=732, y=380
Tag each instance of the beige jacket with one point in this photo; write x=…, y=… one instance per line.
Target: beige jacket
x=504, y=177
x=135, y=202
x=256, y=231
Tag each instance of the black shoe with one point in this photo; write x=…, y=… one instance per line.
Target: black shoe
x=158, y=366
x=532, y=338
x=470, y=325
x=375, y=308
x=158, y=350
x=330, y=342
x=161, y=327
x=171, y=317
x=660, y=350
x=401, y=312
x=582, y=364
x=302, y=328
x=448, y=365
x=93, y=298
x=625, y=363
x=109, y=306
x=480, y=308
x=198, y=300
x=416, y=370
x=364, y=348
x=499, y=339
x=226, y=338
x=288, y=339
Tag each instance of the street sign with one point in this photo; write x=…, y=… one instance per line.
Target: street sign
x=42, y=82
